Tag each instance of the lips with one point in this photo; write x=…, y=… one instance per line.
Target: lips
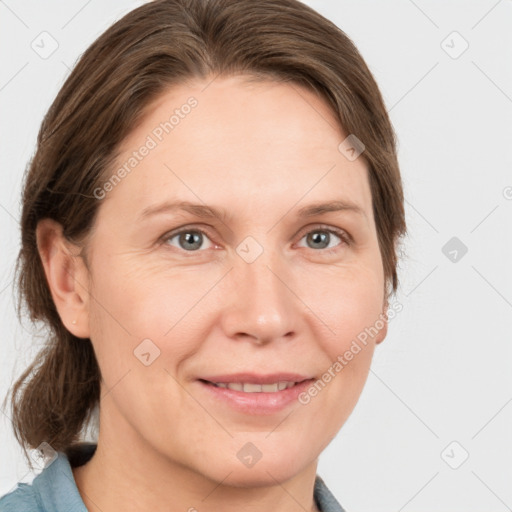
x=255, y=394
x=249, y=387
x=256, y=379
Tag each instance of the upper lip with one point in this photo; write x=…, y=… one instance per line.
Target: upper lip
x=255, y=378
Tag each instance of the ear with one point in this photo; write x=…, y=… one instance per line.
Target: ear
x=384, y=317
x=67, y=276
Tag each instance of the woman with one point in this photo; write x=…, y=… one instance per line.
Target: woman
x=210, y=225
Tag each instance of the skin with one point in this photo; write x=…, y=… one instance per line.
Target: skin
x=262, y=151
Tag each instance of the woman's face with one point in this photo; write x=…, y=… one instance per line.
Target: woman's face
x=263, y=296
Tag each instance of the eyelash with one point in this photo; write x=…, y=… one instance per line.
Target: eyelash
x=346, y=239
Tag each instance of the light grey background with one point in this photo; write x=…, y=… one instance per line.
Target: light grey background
x=443, y=374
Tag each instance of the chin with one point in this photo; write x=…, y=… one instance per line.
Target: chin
x=266, y=472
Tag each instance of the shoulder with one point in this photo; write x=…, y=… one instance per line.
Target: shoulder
x=21, y=499
x=324, y=498
x=53, y=489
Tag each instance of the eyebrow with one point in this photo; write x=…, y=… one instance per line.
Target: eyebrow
x=209, y=212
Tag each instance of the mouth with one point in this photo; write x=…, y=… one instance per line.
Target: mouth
x=255, y=394
x=250, y=387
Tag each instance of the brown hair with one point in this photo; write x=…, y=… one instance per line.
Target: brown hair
x=158, y=45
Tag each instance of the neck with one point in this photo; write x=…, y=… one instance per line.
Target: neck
x=125, y=473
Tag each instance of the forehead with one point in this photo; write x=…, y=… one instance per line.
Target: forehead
x=239, y=143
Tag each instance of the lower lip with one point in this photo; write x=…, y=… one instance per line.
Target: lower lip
x=257, y=403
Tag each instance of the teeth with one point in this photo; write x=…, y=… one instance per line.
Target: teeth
x=252, y=388
x=248, y=387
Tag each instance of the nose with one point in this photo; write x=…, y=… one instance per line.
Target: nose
x=262, y=306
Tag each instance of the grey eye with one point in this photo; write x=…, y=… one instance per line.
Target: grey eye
x=189, y=240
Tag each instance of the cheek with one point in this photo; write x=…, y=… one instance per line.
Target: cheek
x=353, y=312
x=350, y=305
x=141, y=300
x=132, y=305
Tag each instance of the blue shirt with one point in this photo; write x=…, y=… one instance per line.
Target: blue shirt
x=55, y=490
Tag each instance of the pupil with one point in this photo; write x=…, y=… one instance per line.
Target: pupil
x=319, y=237
x=189, y=239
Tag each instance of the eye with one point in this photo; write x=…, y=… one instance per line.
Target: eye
x=189, y=240
x=321, y=238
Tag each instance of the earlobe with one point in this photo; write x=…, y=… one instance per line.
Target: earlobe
x=66, y=276
x=382, y=333
x=383, y=317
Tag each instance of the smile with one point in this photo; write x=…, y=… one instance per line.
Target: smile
x=254, y=394
x=248, y=387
